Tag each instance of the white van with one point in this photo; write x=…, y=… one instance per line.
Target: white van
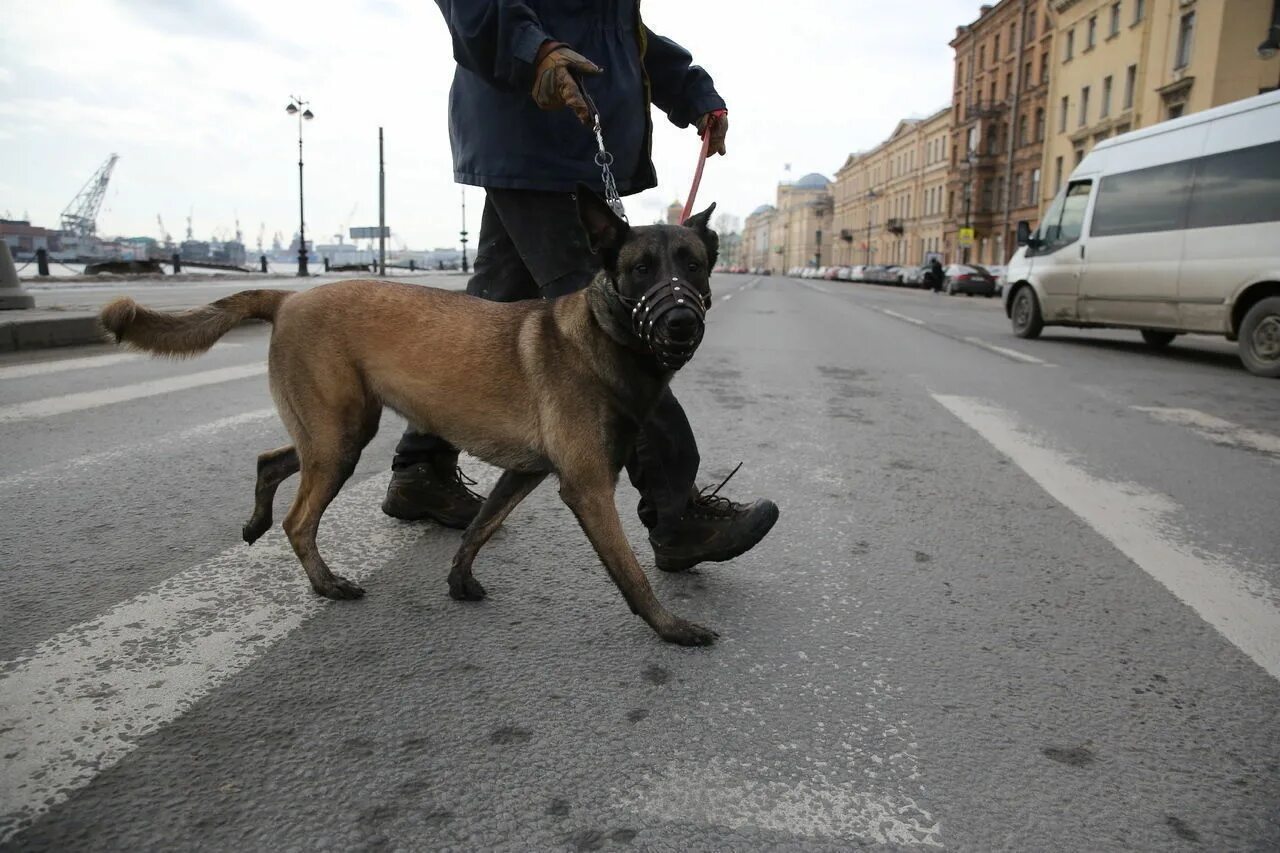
x=1171, y=229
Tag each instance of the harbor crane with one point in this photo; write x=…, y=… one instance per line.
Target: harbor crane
x=80, y=219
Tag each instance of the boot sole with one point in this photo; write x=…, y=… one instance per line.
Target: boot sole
x=757, y=533
x=424, y=515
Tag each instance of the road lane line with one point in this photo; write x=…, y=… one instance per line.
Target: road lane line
x=811, y=286
x=1134, y=519
x=1218, y=430
x=726, y=297
x=154, y=446
x=42, y=368
x=898, y=316
x=82, y=700
x=51, y=406
x=1008, y=353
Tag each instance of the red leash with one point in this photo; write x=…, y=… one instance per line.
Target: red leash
x=702, y=161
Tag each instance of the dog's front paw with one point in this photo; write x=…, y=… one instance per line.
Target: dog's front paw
x=466, y=589
x=339, y=589
x=685, y=633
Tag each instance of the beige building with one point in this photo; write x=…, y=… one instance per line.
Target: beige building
x=759, y=250
x=802, y=223
x=1124, y=64
x=889, y=202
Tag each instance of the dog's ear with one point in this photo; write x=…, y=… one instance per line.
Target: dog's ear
x=699, y=223
x=606, y=231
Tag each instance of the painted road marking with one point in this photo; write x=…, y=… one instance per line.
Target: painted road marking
x=898, y=316
x=1008, y=353
x=718, y=793
x=726, y=297
x=1218, y=430
x=51, y=406
x=42, y=368
x=81, y=701
x=1135, y=520
x=154, y=446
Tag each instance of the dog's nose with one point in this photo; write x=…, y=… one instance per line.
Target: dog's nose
x=682, y=325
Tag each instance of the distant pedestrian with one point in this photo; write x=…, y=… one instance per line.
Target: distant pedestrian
x=935, y=274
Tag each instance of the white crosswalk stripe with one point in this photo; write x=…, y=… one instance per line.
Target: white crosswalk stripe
x=63, y=365
x=82, y=400
x=1218, y=430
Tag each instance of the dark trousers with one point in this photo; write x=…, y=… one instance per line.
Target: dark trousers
x=532, y=246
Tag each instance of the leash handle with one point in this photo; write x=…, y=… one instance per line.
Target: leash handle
x=712, y=118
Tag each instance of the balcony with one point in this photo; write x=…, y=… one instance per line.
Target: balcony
x=984, y=109
x=895, y=226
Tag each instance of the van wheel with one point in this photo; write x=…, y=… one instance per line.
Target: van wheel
x=1158, y=338
x=1260, y=338
x=1028, y=322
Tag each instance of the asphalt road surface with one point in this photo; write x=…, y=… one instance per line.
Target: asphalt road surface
x=1023, y=595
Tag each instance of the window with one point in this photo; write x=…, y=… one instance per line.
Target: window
x=1105, y=109
x=1057, y=175
x=1064, y=222
x=1079, y=155
x=1130, y=83
x=1091, y=33
x=995, y=50
x=1139, y=10
x=1033, y=191
x=1027, y=82
x=1031, y=24
x=1175, y=110
x=1143, y=201
x=1039, y=124
x=1017, y=188
x=1185, y=29
x=1063, y=107
x=982, y=57
x=1114, y=30
x=1070, y=49
x=1008, y=85
x=1022, y=130
x=1044, y=68
x=1013, y=37
x=987, y=200
x=1084, y=106
x=993, y=91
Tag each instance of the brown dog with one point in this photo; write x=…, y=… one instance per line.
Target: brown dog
x=533, y=387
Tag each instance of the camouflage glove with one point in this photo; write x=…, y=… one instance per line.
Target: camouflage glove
x=719, y=120
x=554, y=86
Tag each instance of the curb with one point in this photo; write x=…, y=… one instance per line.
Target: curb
x=45, y=332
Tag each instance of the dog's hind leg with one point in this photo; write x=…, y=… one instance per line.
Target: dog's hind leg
x=274, y=467
x=512, y=487
x=591, y=500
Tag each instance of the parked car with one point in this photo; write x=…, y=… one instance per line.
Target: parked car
x=998, y=272
x=856, y=272
x=969, y=279
x=1168, y=230
x=913, y=276
x=878, y=274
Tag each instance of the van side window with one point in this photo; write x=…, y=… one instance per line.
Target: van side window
x=1143, y=201
x=1237, y=188
x=1064, y=224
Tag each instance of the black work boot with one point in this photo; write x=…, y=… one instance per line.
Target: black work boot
x=436, y=491
x=712, y=530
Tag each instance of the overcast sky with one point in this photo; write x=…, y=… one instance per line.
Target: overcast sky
x=191, y=95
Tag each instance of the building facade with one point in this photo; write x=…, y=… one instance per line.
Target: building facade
x=998, y=127
x=1119, y=65
x=759, y=250
x=802, y=223
x=889, y=202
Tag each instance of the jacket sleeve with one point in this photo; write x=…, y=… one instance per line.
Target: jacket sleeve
x=496, y=39
x=682, y=90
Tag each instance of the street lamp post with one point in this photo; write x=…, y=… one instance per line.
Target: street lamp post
x=872, y=195
x=969, y=160
x=297, y=107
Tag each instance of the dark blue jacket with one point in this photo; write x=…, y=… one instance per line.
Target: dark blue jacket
x=500, y=137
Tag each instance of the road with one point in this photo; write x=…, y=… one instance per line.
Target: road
x=1022, y=595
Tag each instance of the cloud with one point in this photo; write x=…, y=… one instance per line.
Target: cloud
x=6, y=76
x=213, y=19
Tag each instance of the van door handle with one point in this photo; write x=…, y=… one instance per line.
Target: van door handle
x=1082, y=252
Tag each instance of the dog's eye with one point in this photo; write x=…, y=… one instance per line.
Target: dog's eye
x=640, y=269
x=694, y=266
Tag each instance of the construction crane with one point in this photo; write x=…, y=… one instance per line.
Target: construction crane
x=262, y=231
x=80, y=219
x=164, y=233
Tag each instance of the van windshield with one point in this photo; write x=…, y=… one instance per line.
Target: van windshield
x=1064, y=222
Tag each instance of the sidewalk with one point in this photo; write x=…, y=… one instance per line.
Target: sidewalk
x=39, y=328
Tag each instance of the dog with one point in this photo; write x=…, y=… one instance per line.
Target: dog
x=535, y=388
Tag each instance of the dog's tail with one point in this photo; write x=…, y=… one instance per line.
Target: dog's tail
x=190, y=332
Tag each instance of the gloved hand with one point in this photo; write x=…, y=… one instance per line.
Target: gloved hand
x=719, y=120
x=553, y=85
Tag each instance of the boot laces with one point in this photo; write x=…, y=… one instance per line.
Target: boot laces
x=462, y=481
x=713, y=504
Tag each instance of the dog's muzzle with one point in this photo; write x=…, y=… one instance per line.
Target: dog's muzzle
x=670, y=320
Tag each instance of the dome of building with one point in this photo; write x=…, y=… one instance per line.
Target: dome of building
x=812, y=181
x=764, y=208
